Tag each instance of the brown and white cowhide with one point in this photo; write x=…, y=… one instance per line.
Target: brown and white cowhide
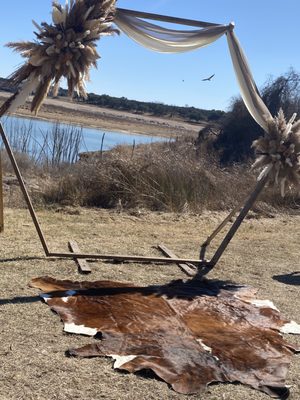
x=189, y=333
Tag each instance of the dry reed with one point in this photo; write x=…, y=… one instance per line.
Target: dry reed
x=66, y=48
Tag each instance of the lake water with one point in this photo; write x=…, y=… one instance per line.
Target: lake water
x=92, y=138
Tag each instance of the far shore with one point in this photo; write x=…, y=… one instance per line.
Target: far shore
x=64, y=110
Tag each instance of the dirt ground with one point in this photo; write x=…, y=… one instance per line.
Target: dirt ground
x=264, y=254
x=64, y=110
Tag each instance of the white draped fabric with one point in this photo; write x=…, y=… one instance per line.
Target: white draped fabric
x=165, y=40
x=248, y=88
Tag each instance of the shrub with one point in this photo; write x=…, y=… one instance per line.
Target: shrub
x=238, y=129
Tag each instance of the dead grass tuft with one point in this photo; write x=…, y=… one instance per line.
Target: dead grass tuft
x=170, y=177
x=173, y=176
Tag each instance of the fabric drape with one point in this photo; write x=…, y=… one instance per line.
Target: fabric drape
x=248, y=88
x=166, y=40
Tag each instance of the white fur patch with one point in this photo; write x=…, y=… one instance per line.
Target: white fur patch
x=80, y=329
x=206, y=348
x=121, y=360
x=291, y=327
x=69, y=293
x=264, y=304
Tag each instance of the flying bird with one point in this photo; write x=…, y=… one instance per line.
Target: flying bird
x=209, y=78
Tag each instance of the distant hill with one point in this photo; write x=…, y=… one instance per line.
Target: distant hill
x=191, y=114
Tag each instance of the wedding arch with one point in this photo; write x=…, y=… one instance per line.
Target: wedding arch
x=67, y=48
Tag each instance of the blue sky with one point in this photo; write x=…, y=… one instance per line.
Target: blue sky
x=267, y=30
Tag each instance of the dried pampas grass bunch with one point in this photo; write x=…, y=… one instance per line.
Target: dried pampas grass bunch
x=65, y=48
x=278, y=152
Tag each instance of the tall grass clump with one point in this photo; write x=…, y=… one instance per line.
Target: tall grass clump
x=167, y=176
x=175, y=176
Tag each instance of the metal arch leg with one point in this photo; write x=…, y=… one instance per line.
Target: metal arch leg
x=24, y=190
x=244, y=211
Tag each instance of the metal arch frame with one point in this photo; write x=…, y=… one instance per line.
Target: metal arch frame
x=202, y=266
x=167, y=18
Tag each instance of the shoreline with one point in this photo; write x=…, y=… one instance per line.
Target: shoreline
x=90, y=116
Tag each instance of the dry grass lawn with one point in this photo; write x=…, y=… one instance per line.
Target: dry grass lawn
x=33, y=364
